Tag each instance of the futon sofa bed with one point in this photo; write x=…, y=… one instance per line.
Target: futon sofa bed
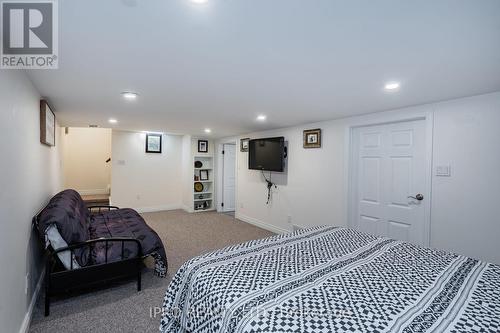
x=91, y=245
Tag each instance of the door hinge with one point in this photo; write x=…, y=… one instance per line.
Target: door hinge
x=223, y=152
x=222, y=204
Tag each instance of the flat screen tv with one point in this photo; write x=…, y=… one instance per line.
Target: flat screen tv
x=267, y=154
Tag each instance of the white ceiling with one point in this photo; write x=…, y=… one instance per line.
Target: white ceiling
x=221, y=64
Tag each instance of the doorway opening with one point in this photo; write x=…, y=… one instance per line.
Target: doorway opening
x=228, y=188
x=86, y=157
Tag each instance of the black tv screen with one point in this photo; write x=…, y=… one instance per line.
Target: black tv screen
x=267, y=154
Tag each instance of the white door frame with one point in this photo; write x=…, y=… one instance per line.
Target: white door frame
x=220, y=174
x=391, y=118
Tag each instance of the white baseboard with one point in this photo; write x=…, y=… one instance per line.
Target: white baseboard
x=27, y=318
x=261, y=224
x=152, y=209
x=94, y=191
x=186, y=208
x=298, y=227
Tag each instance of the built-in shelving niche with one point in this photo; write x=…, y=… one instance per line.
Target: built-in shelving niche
x=203, y=200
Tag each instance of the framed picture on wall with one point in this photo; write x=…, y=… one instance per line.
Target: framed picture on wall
x=47, y=124
x=202, y=146
x=312, y=138
x=244, y=144
x=153, y=143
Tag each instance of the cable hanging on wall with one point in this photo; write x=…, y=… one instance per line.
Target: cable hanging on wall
x=270, y=184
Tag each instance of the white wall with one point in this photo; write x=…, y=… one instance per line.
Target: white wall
x=85, y=151
x=310, y=191
x=465, y=207
x=146, y=181
x=30, y=175
x=313, y=190
x=187, y=173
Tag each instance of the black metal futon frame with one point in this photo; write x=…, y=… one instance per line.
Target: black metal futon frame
x=59, y=280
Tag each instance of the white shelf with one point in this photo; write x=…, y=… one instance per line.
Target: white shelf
x=208, y=190
x=204, y=210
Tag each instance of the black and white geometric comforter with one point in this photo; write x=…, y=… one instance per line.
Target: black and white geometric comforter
x=327, y=279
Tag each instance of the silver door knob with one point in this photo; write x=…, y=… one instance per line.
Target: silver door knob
x=418, y=197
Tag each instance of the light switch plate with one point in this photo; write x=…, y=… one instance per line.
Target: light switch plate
x=443, y=170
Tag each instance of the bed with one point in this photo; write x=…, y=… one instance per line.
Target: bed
x=328, y=279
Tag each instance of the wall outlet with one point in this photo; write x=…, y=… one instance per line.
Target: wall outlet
x=138, y=197
x=443, y=170
x=289, y=219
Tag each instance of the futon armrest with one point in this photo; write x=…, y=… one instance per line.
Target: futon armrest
x=89, y=243
x=99, y=208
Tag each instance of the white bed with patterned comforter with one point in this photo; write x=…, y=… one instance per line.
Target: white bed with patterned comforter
x=328, y=279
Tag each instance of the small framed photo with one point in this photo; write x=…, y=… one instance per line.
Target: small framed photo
x=202, y=146
x=203, y=174
x=312, y=138
x=244, y=144
x=47, y=124
x=153, y=143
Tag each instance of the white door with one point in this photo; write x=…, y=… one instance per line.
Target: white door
x=229, y=178
x=389, y=182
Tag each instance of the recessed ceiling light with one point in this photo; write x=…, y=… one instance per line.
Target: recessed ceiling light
x=129, y=95
x=112, y=121
x=208, y=130
x=261, y=117
x=199, y=2
x=392, y=86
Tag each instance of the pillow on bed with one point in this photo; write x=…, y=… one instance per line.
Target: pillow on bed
x=57, y=242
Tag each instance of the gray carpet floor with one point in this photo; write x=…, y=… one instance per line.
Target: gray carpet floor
x=119, y=307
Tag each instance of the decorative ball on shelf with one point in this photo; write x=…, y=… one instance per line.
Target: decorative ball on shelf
x=198, y=164
x=198, y=187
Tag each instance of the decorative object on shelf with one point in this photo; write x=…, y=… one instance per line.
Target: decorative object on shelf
x=312, y=138
x=47, y=124
x=244, y=145
x=196, y=178
x=198, y=164
x=202, y=146
x=200, y=196
x=205, y=204
x=198, y=187
x=153, y=143
x=203, y=174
